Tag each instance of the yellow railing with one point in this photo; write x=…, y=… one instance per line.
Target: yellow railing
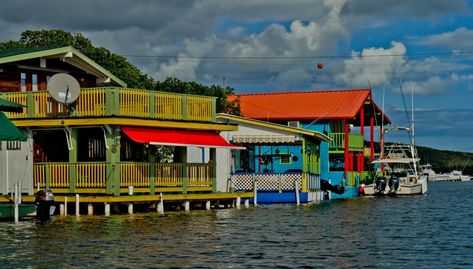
x=134, y=174
x=168, y=175
x=100, y=102
x=134, y=103
x=90, y=103
x=94, y=175
x=199, y=108
x=167, y=106
x=200, y=174
x=56, y=175
x=91, y=175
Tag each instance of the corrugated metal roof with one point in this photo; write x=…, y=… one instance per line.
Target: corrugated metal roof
x=340, y=104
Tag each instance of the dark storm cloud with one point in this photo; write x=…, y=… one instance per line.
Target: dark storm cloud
x=182, y=18
x=392, y=9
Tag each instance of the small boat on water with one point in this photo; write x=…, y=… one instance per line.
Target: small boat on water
x=7, y=210
x=399, y=172
x=454, y=175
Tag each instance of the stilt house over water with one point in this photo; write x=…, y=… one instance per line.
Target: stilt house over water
x=281, y=162
x=343, y=115
x=108, y=140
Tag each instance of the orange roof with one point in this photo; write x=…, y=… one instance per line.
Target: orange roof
x=340, y=104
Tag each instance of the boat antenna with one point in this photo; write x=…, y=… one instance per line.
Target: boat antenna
x=412, y=105
x=405, y=106
x=410, y=132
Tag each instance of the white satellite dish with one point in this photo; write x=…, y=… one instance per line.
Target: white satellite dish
x=63, y=88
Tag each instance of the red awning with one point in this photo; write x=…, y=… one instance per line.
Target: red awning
x=172, y=137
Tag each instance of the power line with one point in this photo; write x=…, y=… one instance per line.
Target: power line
x=301, y=57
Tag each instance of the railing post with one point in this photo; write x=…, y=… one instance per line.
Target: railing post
x=152, y=178
x=31, y=105
x=184, y=107
x=112, y=101
x=214, y=109
x=48, y=175
x=73, y=161
x=112, y=169
x=304, y=178
x=185, y=174
x=213, y=167
x=152, y=105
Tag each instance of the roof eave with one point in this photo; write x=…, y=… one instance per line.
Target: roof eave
x=67, y=54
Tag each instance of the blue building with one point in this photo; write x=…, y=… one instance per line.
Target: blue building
x=280, y=162
x=348, y=117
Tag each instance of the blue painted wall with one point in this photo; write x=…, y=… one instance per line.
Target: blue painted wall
x=274, y=164
x=276, y=197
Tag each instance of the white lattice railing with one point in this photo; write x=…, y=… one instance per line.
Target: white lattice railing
x=275, y=181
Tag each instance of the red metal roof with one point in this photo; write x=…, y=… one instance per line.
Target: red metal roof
x=339, y=104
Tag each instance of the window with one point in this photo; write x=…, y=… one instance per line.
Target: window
x=285, y=159
x=23, y=81
x=96, y=148
x=34, y=82
x=13, y=145
x=337, y=163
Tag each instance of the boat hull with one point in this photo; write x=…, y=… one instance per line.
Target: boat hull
x=409, y=189
x=7, y=210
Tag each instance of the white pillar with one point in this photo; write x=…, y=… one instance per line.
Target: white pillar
x=207, y=205
x=107, y=209
x=247, y=203
x=187, y=205
x=296, y=186
x=238, y=202
x=17, y=203
x=61, y=209
x=65, y=206
x=130, y=208
x=255, y=192
x=160, y=207
x=77, y=205
x=90, y=209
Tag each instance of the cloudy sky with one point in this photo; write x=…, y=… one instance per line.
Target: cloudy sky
x=424, y=47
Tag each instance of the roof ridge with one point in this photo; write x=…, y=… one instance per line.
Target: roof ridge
x=299, y=92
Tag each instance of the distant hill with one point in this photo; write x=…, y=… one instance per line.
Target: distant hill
x=445, y=161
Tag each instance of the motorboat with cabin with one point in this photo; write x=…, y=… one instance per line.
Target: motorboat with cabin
x=398, y=172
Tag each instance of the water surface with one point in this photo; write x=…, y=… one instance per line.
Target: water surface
x=430, y=231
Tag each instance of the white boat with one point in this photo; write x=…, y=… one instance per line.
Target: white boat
x=454, y=175
x=426, y=169
x=400, y=173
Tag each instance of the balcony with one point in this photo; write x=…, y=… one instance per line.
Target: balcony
x=97, y=177
x=120, y=102
x=355, y=142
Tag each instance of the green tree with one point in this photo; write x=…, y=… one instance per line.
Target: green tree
x=120, y=67
x=223, y=104
x=116, y=64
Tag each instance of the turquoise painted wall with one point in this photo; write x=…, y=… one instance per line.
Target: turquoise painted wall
x=273, y=164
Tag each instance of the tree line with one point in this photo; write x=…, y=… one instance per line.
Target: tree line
x=120, y=67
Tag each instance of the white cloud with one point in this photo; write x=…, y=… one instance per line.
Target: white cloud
x=459, y=40
x=375, y=66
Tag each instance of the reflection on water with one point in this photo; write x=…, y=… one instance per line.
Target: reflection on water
x=428, y=231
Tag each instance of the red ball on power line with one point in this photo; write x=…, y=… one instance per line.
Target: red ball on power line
x=320, y=66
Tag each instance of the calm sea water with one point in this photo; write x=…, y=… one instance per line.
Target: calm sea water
x=431, y=231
